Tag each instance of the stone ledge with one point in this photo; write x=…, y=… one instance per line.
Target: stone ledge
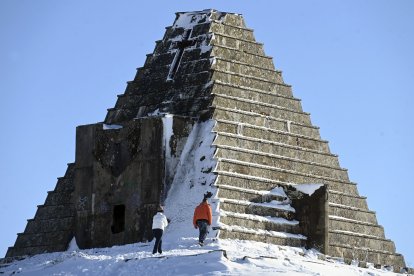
x=275, y=143
x=280, y=157
x=248, y=76
x=349, y=233
x=265, y=167
x=247, y=64
x=350, y=208
x=233, y=26
x=238, y=206
x=245, y=235
x=260, y=103
x=39, y=233
x=237, y=50
x=280, y=162
x=354, y=221
x=250, y=191
x=258, y=90
x=40, y=219
x=345, y=194
x=365, y=249
x=236, y=38
x=251, y=113
x=261, y=179
x=238, y=193
x=258, y=218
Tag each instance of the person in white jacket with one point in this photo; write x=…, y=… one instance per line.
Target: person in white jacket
x=159, y=222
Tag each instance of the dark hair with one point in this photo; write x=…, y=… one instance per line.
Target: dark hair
x=207, y=195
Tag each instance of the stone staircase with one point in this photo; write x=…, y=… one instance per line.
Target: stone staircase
x=51, y=229
x=258, y=215
x=265, y=140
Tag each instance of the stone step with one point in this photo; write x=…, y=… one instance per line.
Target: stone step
x=233, y=192
x=259, y=222
x=260, y=209
x=197, y=29
x=243, y=45
x=232, y=31
x=253, y=118
x=185, y=68
x=253, y=70
x=281, y=96
x=261, y=183
x=360, y=240
x=195, y=78
x=347, y=199
x=152, y=97
x=271, y=110
x=58, y=198
x=281, y=90
x=65, y=183
x=277, y=148
x=43, y=239
x=277, y=161
x=159, y=59
x=229, y=190
x=233, y=54
x=351, y=225
x=170, y=45
x=246, y=80
x=230, y=19
x=228, y=232
x=350, y=212
x=152, y=94
x=34, y=250
x=364, y=254
x=54, y=211
x=271, y=135
x=167, y=58
x=161, y=84
x=284, y=175
x=49, y=225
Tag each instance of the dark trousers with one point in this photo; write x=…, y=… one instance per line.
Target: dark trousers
x=158, y=240
x=202, y=227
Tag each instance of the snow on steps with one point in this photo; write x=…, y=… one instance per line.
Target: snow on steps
x=280, y=238
x=266, y=216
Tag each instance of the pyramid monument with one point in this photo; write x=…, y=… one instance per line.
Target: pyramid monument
x=274, y=179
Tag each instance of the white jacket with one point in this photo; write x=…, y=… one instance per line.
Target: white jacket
x=159, y=221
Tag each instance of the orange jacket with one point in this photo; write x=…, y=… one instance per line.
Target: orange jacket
x=202, y=211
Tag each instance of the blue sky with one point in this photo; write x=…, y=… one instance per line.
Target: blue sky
x=62, y=63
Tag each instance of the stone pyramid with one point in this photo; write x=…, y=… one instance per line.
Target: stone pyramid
x=208, y=66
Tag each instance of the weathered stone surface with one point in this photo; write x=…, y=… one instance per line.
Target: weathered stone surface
x=273, y=147
x=256, y=210
x=225, y=234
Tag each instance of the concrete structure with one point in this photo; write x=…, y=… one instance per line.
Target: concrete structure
x=208, y=66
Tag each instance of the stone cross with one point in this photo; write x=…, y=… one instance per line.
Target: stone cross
x=181, y=46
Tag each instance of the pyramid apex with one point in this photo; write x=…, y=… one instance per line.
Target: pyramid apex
x=188, y=19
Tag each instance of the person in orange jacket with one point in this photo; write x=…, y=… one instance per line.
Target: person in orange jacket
x=203, y=218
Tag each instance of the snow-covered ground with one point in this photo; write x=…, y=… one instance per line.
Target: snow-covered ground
x=182, y=255
x=186, y=257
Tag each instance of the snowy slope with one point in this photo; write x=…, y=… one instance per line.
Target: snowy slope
x=182, y=255
x=186, y=258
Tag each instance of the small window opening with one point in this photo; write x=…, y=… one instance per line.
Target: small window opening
x=118, y=219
